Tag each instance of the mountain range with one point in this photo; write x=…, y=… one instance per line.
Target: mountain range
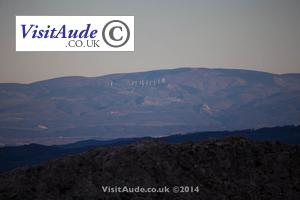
x=155, y=103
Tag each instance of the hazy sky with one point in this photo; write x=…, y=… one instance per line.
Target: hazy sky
x=248, y=34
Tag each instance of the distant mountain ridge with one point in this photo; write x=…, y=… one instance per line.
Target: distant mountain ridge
x=154, y=103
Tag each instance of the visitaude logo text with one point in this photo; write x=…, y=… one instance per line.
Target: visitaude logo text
x=74, y=33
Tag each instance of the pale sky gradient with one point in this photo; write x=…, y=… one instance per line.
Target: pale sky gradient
x=248, y=34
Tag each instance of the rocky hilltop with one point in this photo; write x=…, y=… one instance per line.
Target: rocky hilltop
x=154, y=103
x=232, y=168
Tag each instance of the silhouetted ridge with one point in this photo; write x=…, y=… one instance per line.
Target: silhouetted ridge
x=17, y=156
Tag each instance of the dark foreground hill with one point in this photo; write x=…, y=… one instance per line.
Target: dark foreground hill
x=232, y=168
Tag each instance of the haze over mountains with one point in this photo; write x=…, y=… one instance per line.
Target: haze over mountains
x=154, y=103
